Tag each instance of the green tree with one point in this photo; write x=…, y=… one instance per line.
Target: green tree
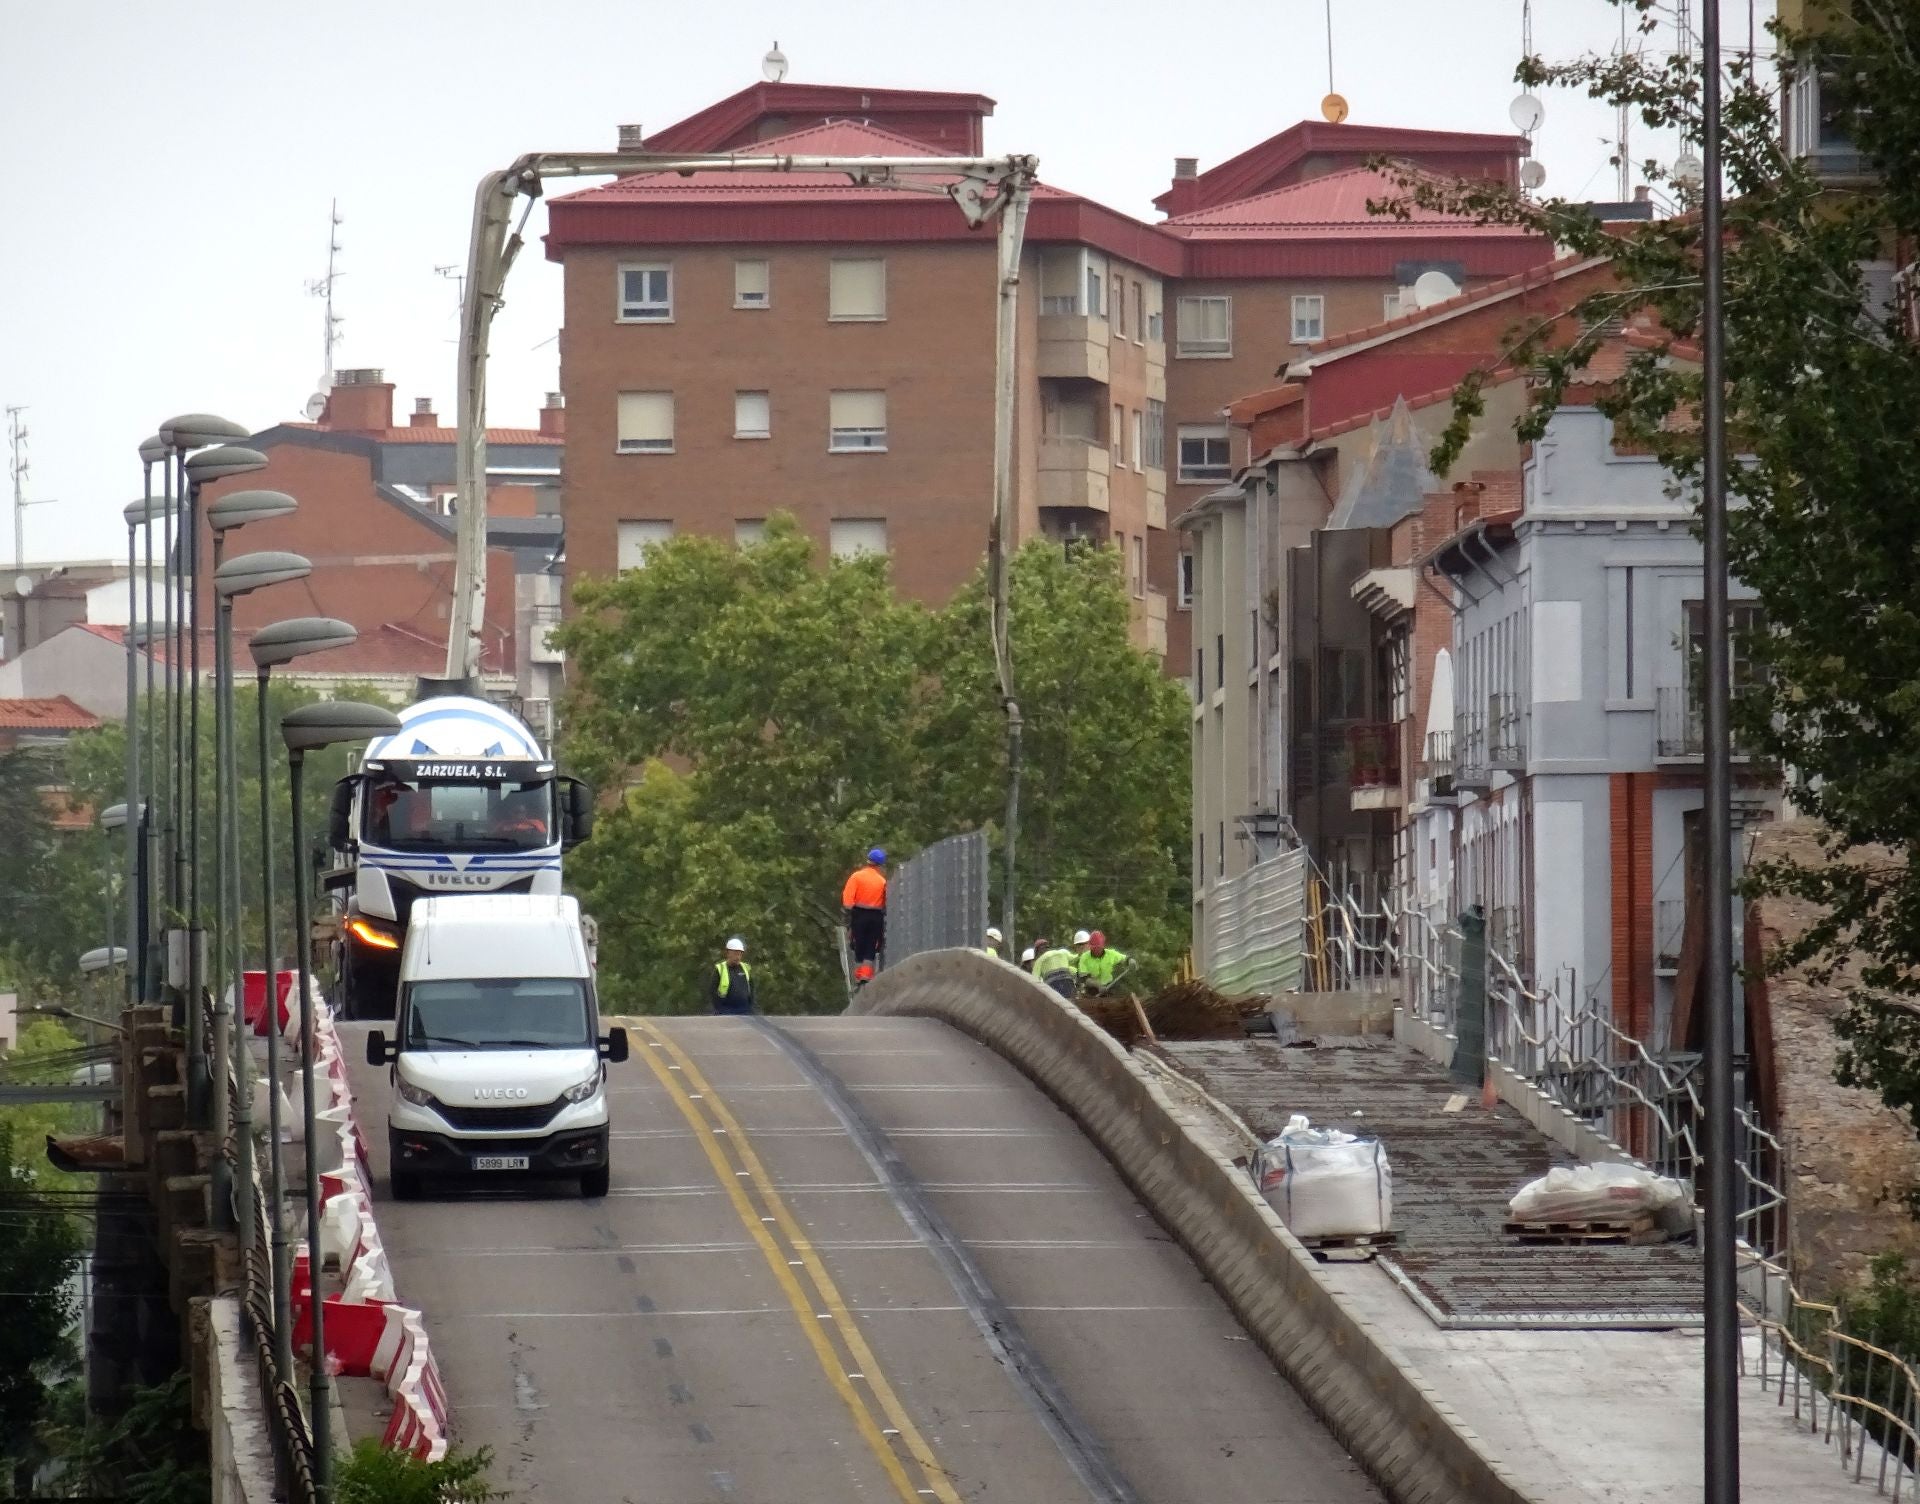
x=767, y=721
x=376, y=1475
x=1822, y=383
x=50, y=880
x=39, y=1252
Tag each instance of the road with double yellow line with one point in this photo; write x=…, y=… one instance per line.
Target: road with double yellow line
x=843, y=1259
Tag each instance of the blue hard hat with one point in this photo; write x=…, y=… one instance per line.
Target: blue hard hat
x=877, y=855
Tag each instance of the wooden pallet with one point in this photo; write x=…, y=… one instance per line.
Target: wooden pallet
x=1633, y=1232
x=1352, y=1248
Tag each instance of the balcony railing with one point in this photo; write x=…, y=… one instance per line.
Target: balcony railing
x=1669, y=932
x=1437, y=765
x=1373, y=755
x=1506, y=741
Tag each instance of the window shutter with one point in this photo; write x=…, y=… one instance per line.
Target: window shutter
x=646, y=421
x=850, y=537
x=858, y=290
x=750, y=284
x=859, y=409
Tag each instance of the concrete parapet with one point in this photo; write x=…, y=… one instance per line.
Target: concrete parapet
x=1394, y=1423
x=234, y=1408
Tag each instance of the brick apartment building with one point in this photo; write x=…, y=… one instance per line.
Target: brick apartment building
x=376, y=518
x=736, y=344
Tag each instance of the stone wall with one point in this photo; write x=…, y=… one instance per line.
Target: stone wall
x=1850, y=1160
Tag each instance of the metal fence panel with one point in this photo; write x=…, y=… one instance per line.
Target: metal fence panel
x=1254, y=940
x=938, y=900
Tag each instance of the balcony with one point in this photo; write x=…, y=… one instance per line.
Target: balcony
x=1436, y=767
x=1680, y=733
x=1373, y=765
x=1149, y=622
x=1074, y=346
x=541, y=620
x=1669, y=932
x=1156, y=497
x=1073, y=473
x=1506, y=739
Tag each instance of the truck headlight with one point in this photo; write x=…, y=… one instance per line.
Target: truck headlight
x=583, y=1091
x=418, y=1095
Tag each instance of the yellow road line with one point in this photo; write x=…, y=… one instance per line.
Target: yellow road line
x=812, y=1322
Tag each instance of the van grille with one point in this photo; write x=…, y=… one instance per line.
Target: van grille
x=501, y=1119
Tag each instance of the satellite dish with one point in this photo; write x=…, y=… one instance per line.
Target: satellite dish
x=316, y=405
x=1526, y=113
x=773, y=67
x=1532, y=174
x=1687, y=170
x=1430, y=288
x=1334, y=107
x=23, y=585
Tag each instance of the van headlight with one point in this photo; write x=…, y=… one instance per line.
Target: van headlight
x=419, y=1096
x=583, y=1091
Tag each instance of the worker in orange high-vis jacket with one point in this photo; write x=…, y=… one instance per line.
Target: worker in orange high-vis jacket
x=865, y=900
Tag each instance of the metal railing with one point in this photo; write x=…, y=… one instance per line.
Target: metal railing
x=1373, y=754
x=1852, y=1393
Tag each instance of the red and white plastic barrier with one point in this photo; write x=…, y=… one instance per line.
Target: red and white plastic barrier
x=367, y=1332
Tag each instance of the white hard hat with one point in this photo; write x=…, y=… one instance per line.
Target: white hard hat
x=994, y=934
x=736, y=943
x=1081, y=937
x=1027, y=955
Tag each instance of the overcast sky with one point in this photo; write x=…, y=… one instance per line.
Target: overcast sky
x=172, y=163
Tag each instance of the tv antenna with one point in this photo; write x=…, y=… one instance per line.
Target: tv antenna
x=322, y=287
x=457, y=275
x=17, y=468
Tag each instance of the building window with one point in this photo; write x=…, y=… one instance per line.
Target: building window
x=1204, y=453
x=1309, y=318
x=636, y=538
x=1183, y=584
x=855, y=537
x=1094, y=310
x=752, y=284
x=857, y=422
x=1119, y=305
x=857, y=290
x=1136, y=440
x=1204, y=326
x=646, y=423
x=1744, y=622
x=1156, y=435
x=1117, y=435
x=1139, y=313
x=1219, y=660
x=1220, y=852
x=1137, y=567
x=646, y=293
x=752, y=415
x=748, y=531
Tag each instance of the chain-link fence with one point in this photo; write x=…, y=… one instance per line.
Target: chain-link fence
x=938, y=900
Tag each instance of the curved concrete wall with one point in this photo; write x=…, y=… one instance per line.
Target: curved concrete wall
x=1392, y=1423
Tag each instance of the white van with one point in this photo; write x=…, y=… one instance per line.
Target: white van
x=497, y=1062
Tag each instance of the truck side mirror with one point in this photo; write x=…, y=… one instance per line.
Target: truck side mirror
x=379, y=1052
x=339, y=815
x=613, y=1048
x=579, y=813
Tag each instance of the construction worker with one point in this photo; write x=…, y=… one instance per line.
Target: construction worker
x=1101, y=963
x=1055, y=967
x=730, y=988
x=1080, y=941
x=1026, y=959
x=865, y=900
x=1041, y=945
x=995, y=940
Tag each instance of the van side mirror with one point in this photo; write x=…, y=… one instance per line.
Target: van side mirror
x=613, y=1048
x=379, y=1051
x=340, y=814
x=579, y=813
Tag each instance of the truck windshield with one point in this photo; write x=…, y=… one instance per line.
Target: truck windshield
x=454, y=816
x=506, y=1013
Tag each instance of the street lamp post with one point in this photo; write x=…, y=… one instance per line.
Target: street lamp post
x=270, y=647
x=1722, y=1436
x=152, y=452
x=128, y=818
x=234, y=577
x=306, y=729
x=212, y=465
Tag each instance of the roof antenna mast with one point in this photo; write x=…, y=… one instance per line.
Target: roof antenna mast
x=322, y=287
x=1333, y=106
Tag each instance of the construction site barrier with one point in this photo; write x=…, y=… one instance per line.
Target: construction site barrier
x=1398, y=1427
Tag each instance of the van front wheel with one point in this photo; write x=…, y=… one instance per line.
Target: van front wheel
x=594, y=1183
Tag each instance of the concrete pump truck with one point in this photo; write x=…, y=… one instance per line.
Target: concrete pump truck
x=461, y=799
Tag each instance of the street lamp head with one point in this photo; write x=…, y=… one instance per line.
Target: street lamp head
x=103, y=956
x=153, y=450
x=238, y=508
x=250, y=572
x=331, y=721
x=218, y=464
x=285, y=641
x=146, y=510
x=144, y=634
x=198, y=430
x=115, y=816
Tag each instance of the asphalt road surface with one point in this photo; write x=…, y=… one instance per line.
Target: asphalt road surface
x=866, y=1261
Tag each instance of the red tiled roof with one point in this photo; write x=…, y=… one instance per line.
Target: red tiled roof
x=725, y=120
x=1334, y=205
x=1496, y=377
x=55, y=714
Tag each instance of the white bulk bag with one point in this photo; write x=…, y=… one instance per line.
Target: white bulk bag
x=1324, y=1183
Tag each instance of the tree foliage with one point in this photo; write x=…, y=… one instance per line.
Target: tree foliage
x=376, y=1474
x=1822, y=384
x=768, y=720
x=39, y=1252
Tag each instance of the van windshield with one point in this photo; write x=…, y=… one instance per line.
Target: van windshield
x=506, y=1013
